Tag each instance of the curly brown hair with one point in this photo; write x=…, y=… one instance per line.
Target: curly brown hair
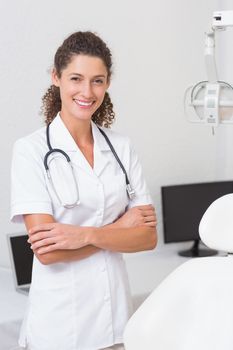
x=86, y=43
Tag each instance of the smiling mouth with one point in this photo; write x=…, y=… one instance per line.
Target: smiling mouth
x=83, y=104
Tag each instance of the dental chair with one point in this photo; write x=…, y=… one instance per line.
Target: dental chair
x=192, y=309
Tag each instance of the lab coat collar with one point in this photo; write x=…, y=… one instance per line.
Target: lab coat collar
x=100, y=146
x=60, y=137
x=99, y=139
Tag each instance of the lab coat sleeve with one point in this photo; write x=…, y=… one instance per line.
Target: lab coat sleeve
x=137, y=181
x=29, y=193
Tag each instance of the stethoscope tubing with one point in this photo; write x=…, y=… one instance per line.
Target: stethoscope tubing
x=115, y=155
x=129, y=189
x=54, y=150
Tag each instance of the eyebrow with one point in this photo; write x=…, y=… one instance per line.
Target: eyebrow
x=95, y=76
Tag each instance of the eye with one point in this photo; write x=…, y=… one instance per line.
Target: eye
x=98, y=81
x=76, y=79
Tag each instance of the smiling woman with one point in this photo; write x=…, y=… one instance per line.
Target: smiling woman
x=80, y=296
x=92, y=47
x=82, y=91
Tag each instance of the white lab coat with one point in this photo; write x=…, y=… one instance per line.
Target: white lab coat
x=79, y=305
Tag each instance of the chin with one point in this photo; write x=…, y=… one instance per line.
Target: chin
x=83, y=117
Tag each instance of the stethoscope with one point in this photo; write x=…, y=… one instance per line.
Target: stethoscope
x=129, y=189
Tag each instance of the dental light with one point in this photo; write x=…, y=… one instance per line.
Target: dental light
x=211, y=102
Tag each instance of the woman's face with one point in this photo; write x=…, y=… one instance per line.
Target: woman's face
x=82, y=84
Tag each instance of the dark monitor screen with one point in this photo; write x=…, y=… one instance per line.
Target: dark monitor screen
x=22, y=259
x=184, y=205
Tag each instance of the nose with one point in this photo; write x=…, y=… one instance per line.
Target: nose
x=87, y=89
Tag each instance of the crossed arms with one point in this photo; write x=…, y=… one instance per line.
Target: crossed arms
x=55, y=242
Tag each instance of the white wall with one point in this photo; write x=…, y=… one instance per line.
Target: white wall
x=158, y=52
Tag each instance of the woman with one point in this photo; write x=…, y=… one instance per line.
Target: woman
x=80, y=220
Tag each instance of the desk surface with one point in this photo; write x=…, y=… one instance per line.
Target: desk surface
x=147, y=270
x=12, y=309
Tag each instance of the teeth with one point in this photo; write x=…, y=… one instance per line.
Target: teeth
x=82, y=103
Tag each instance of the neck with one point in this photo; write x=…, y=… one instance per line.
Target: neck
x=80, y=130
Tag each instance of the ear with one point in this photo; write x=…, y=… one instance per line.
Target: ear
x=54, y=77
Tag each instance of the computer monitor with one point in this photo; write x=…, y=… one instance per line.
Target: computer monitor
x=21, y=257
x=183, y=207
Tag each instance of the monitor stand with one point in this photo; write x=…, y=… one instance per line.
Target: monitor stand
x=196, y=252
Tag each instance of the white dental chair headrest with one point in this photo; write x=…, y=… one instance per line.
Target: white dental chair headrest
x=216, y=226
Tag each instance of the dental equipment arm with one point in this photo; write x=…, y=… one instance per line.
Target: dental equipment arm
x=213, y=88
x=221, y=20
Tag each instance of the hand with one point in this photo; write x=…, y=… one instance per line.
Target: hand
x=137, y=216
x=45, y=238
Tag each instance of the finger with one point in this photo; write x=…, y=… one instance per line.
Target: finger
x=48, y=249
x=149, y=218
x=39, y=236
x=43, y=242
x=148, y=212
x=41, y=227
x=151, y=223
x=35, y=237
